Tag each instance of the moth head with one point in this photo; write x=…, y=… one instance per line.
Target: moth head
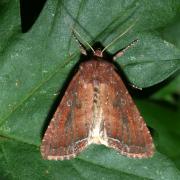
x=98, y=52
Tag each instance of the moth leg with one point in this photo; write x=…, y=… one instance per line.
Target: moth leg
x=135, y=87
x=82, y=47
x=121, y=52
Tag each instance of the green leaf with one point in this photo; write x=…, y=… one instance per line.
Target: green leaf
x=166, y=124
x=23, y=161
x=35, y=65
x=167, y=92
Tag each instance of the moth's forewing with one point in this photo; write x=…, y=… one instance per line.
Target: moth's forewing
x=67, y=133
x=125, y=128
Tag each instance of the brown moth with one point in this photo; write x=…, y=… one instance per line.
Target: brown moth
x=97, y=108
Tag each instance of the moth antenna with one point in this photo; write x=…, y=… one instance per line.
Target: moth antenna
x=76, y=33
x=82, y=47
x=113, y=41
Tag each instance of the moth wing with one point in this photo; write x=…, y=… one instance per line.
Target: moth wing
x=125, y=128
x=67, y=133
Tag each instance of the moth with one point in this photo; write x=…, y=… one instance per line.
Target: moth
x=97, y=108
